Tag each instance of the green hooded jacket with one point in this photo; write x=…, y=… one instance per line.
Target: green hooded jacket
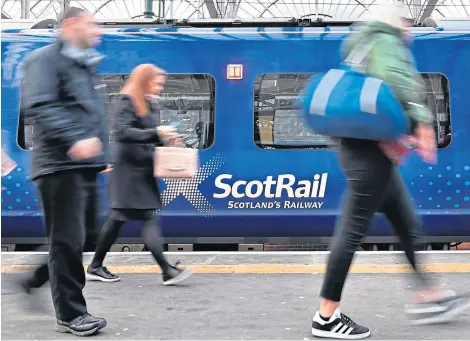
x=391, y=61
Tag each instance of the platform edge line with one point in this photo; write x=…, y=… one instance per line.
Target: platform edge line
x=271, y=268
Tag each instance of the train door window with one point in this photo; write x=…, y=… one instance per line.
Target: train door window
x=277, y=124
x=437, y=99
x=188, y=99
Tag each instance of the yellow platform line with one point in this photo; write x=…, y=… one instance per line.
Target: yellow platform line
x=272, y=268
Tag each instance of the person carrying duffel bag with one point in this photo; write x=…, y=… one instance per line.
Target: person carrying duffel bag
x=376, y=92
x=374, y=183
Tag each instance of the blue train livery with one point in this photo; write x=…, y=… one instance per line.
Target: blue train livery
x=263, y=176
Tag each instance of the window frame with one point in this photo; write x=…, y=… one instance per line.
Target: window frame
x=212, y=94
x=257, y=139
x=449, y=107
x=274, y=146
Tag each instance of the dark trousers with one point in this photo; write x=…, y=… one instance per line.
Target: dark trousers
x=70, y=207
x=373, y=185
x=110, y=232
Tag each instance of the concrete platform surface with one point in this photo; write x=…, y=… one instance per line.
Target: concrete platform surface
x=249, y=304
x=228, y=307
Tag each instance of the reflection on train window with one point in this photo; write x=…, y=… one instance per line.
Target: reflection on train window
x=277, y=124
x=187, y=98
x=437, y=98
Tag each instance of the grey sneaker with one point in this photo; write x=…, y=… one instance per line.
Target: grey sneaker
x=442, y=310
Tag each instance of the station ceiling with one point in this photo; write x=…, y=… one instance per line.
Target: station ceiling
x=242, y=9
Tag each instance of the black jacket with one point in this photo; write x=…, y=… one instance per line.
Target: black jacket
x=132, y=184
x=63, y=100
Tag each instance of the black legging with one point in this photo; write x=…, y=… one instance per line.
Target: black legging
x=374, y=184
x=110, y=232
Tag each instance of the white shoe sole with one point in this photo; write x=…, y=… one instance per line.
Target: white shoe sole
x=91, y=277
x=442, y=318
x=330, y=335
x=181, y=277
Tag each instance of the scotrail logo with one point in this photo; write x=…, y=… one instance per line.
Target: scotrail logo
x=270, y=192
x=190, y=188
x=285, y=185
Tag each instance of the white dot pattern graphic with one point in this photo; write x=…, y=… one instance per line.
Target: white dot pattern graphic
x=189, y=188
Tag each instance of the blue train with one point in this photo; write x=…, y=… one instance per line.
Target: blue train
x=264, y=177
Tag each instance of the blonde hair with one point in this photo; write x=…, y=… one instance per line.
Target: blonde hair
x=389, y=12
x=137, y=85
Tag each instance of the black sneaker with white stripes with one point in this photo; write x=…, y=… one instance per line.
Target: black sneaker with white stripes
x=443, y=310
x=101, y=274
x=338, y=326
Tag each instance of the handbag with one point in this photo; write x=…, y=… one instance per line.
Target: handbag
x=346, y=102
x=176, y=162
x=7, y=164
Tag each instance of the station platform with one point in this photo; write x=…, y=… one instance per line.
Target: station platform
x=235, y=296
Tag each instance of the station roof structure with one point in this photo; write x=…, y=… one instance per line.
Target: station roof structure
x=339, y=10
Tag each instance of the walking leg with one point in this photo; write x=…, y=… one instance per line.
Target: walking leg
x=367, y=170
x=153, y=240
x=65, y=199
x=106, y=238
x=432, y=303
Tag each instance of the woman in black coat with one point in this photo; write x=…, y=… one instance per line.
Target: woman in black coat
x=133, y=189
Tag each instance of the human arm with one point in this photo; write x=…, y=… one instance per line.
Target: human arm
x=128, y=132
x=389, y=60
x=42, y=105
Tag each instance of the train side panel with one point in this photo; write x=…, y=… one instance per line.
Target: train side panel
x=242, y=190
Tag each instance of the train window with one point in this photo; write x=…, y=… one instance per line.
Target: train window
x=187, y=98
x=437, y=98
x=277, y=124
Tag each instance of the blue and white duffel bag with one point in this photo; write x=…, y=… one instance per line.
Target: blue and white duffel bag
x=345, y=102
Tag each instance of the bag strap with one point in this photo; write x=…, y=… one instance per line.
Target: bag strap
x=359, y=53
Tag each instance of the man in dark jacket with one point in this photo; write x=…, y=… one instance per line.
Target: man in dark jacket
x=61, y=99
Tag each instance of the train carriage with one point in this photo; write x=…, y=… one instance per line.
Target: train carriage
x=264, y=176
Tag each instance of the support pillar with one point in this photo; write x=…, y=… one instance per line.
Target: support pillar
x=25, y=9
